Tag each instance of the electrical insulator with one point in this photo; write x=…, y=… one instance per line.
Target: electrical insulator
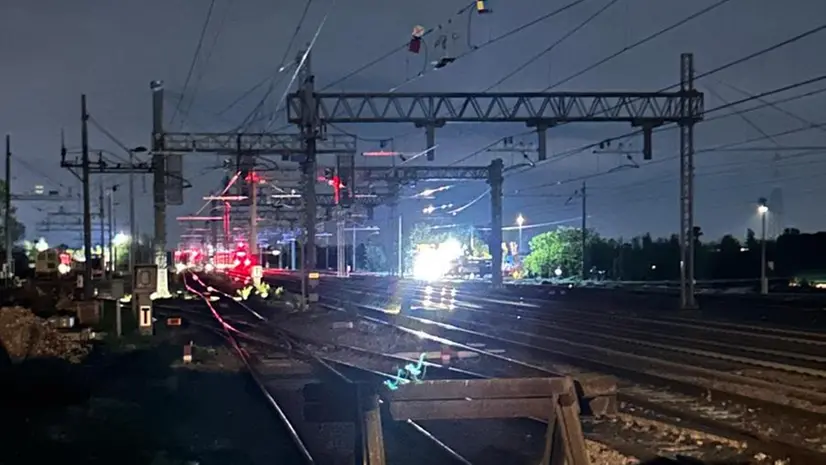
x=415, y=44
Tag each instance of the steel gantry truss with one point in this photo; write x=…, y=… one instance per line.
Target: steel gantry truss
x=551, y=108
x=311, y=111
x=252, y=143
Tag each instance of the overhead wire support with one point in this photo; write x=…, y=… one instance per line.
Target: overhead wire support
x=395, y=50
x=541, y=110
x=491, y=41
x=644, y=40
x=715, y=70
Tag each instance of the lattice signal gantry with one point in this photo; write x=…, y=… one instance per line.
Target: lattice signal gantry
x=548, y=108
x=260, y=143
x=418, y=173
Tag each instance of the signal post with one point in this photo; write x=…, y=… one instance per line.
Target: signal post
x=144, y=284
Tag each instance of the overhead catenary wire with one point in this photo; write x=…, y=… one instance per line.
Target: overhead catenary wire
x=194, y=61
x=282, y=65
x=553, y=45
x=639, y=43
x=652, y=198
x=111, y=137
x=774, y=104
x=300, y=65
x=395, y=50
x=210, y=50
x=697, y=152
x=575, y=151
x=624, y=50
x=663, y=128
x=387, y=54
x=725, y=66
x=713, y=71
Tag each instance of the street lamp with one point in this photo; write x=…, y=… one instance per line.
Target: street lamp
x=763, y=211
x=520, y=220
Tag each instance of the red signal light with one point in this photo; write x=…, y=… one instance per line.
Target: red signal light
x=337, y=188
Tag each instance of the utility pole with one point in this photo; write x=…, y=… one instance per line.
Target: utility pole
x=309, y=133
x=111, y=213
x=101, y=200
x=688, y=118
x=495, y=178
x=133, y=235
x=354, y=247
x=159, y=187
x=100, y=166
x=253, y=214
x=399, y=264
x=7, y=217
x=341, y=251
x=584, y=233
x=256, y=271
x=87, y=201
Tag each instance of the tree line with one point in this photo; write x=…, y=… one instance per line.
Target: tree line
x=644, y=258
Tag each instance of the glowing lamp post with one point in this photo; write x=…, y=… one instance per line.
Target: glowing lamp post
x=121, y=239
x=41, y=245
x=763, y=211
x=520, y=220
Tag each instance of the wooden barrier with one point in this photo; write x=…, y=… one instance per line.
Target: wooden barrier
x=551, y=399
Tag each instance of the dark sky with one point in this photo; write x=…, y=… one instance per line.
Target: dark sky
x=54, y=50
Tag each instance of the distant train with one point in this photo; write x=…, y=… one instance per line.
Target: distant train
x=237, y=261
x=53, y=262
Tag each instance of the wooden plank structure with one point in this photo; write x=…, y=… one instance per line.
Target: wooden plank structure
x=551, y=399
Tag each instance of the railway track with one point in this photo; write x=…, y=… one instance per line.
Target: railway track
x=512, y=432
x=785, y=431
x=365, y=364
x=793, y=357
x=282, y=364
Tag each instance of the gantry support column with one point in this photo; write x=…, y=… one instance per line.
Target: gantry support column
x=341, y=251
x=394, y=226
x=495, y=179
x=159, y=187
x=310, y=130
x=687, y=112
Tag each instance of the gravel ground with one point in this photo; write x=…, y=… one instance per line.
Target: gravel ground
x=481, y=441
x=25, y=336
x=657, y=436
x=332, y=443
x=153, y=409
x=777, y=392
x=338, y=328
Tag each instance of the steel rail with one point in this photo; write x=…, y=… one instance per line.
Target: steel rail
x=324, y=362
x=805, y=455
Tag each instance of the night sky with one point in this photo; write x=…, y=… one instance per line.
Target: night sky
x=53, y=50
